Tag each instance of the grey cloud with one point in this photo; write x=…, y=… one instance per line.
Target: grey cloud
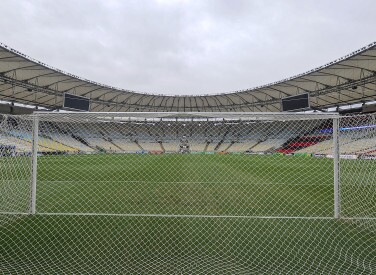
x=187, y=47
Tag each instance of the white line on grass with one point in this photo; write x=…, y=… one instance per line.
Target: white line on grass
x=188, y=216
x=198, y=216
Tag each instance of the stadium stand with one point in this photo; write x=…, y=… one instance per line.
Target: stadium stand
x=171, y=147
x=268, y=145
x=197, y=146
x=69, y=141
x=126, y=145
x=101, y=144
x=326, y=145
x=358, y=146
x=224, y=146
x=241, y=147
x=212, y=146
x=21, y=145
x=209, y=137
x=149, y=145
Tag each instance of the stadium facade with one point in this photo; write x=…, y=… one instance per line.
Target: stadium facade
x=347, y=80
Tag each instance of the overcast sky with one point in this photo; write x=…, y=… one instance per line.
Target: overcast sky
x=187, y=46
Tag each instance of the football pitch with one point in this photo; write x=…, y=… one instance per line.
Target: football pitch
x=187, y=213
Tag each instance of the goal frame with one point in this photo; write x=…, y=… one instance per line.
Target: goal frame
x=228, y=115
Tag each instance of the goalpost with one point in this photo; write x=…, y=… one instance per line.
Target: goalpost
x=177, y=180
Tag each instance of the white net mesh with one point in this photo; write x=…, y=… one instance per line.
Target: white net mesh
x=358, y=178
x=15, y=164
x=187, y=193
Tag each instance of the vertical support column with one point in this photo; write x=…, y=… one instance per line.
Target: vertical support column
x=337, y=197
x=34, y=165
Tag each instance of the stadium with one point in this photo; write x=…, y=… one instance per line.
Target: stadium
x=274, y=179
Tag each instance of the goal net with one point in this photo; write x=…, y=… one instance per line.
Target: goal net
x=187, y=193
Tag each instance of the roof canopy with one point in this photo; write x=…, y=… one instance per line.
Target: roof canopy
x=350, y=79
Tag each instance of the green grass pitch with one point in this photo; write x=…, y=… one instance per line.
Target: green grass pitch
x=186, y=214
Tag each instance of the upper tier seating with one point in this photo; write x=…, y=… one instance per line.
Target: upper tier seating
x=268, y=145
x=126, y=145
x=171, y=146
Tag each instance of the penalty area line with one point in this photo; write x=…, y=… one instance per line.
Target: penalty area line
x=184, y=216
x=189, y=216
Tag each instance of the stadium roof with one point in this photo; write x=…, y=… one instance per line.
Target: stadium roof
x=348, y=80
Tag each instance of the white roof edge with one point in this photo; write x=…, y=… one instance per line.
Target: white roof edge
x=354, y=53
